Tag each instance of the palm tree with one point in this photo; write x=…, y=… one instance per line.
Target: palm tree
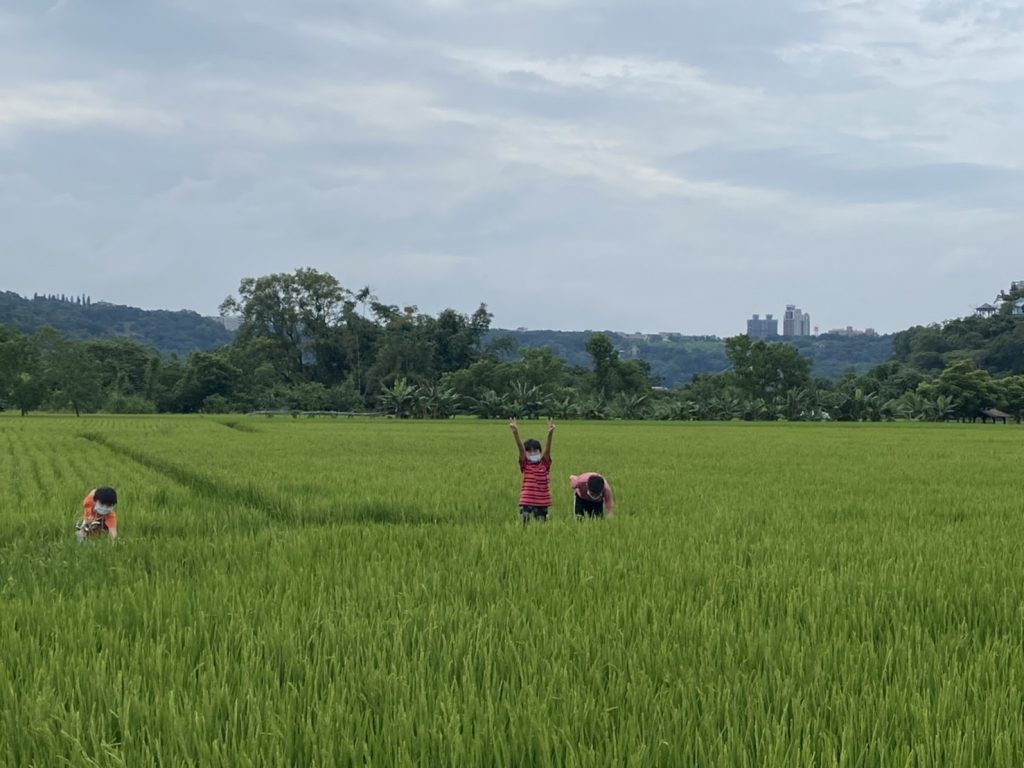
x=398, y=398
x=676, y=409
x=911, y=406
x=490, y=405
x=756, y=409
x=564, y=407
x=630, y=406
x=527, y=400
x=436, y=401
x=727, y=406
x=594, y=408
x=796, y=404
x=941, y=408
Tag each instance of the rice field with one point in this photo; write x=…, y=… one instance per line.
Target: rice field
x=345, y=592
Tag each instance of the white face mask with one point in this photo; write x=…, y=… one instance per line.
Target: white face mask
x=102, y=509
x=533, y=458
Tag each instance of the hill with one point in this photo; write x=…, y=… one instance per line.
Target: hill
x=674, y=358
x=80, y=318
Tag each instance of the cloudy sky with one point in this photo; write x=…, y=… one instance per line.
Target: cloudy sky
x=653, y=165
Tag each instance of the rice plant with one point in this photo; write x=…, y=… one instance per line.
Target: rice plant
x=316, y=592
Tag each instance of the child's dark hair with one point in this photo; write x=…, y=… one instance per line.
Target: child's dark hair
x=595, y=484
x=532, y=445
x=106, y=496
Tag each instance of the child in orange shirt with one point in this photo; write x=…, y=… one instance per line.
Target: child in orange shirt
x=98, y=515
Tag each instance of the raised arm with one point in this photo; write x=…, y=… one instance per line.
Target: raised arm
x=515, y=433
x=551, y=433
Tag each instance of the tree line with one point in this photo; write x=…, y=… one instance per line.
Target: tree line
x=307, y=343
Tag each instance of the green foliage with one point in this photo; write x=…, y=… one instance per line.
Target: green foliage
x=674, y=359
x=969, y=389
x=766, y=370
x=995, y=343
x=307, y=343
x=399, y=399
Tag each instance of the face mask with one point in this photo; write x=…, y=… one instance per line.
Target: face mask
x=533, y=458
x=102, y=509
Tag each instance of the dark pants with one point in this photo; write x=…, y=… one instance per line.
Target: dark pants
x=589, y=507
x=538, y=513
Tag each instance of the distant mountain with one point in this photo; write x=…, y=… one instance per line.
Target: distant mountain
x=78, y=317
x=675, y=358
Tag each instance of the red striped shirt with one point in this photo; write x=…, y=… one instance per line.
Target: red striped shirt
x=536, y=482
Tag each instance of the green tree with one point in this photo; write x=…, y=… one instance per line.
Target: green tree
x=398, y=399
x=124, y=366
x=70, y=373
x=406, y=351
x=436, y=401
x=297, y=312
x=22, y=381
x=1010, y=391
x=205, y=374
x=766, y=371
x=13, y=354
x=969, y=388
x=604, y=361
x=459, y=338
x=488, y=404
x=527, y=400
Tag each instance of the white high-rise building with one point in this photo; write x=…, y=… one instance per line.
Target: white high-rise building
x=795, y=322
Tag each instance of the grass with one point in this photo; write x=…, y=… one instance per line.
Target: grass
x=340, y=593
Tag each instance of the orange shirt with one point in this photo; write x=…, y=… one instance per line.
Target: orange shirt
x=89, y=512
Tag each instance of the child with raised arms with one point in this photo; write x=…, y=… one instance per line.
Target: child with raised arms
x=535, y=495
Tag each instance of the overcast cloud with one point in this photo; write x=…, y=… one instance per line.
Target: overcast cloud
x=655, y=165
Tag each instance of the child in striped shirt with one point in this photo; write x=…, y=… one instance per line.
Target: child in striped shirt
x=535, y=496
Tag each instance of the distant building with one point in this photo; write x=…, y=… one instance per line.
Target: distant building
x=1018, y=308
x=985, y=310
x=851, y=331
x=768, y=328
x=795, y=322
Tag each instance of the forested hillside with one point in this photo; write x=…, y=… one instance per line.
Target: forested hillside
x=674, y=359
x=78, y=317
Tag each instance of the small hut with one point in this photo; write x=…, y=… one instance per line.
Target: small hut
x=995, y=414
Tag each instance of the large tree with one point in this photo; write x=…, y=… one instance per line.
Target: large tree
x=970, y=389
x=298, y=312
x=766, y=370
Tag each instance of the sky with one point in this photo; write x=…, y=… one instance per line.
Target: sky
x=627, y=165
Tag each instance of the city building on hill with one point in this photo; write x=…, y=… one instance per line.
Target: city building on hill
x=795, y=322
x=851, y=331
x=758, y=328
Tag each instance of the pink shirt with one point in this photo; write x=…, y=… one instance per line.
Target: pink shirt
x=579, y=487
